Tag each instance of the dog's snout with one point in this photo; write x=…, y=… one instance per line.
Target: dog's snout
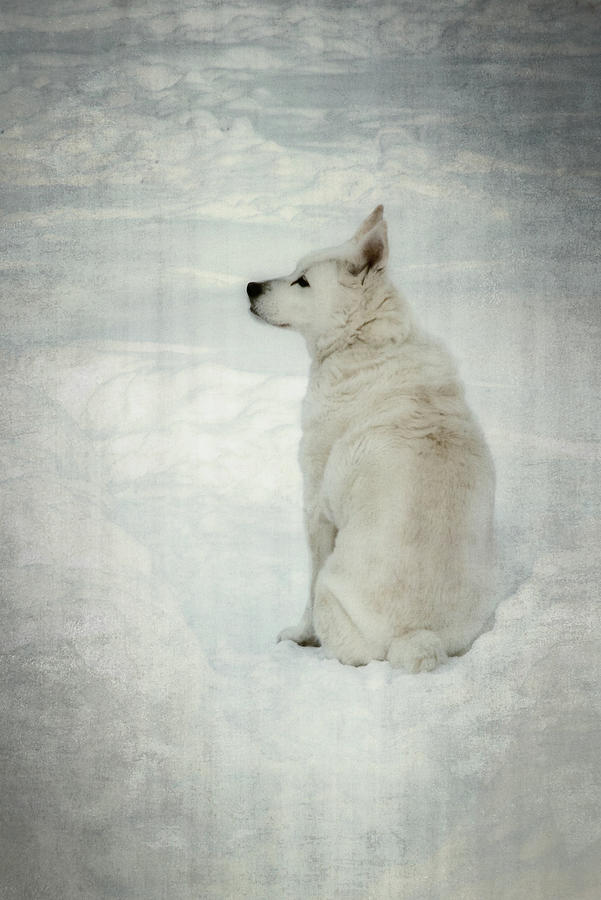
x=253, y=289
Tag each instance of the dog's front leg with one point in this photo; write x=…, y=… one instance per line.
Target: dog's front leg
x=321, y=535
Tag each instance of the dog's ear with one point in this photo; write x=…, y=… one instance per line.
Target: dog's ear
x=369, y=223
x=372, y=252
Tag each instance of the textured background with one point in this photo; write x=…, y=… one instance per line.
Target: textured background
x=156, y=156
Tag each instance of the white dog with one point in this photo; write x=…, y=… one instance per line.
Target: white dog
x=398, y=480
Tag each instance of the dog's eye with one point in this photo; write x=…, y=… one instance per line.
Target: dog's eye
x=302, y=282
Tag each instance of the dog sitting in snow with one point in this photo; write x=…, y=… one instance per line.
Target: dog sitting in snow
x=398, y=480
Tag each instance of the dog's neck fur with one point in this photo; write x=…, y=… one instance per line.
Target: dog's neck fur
x=380, y=317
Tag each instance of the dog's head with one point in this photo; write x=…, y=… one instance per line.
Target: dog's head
x=328, y=288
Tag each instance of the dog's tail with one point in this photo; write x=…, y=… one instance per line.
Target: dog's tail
x=417, y=651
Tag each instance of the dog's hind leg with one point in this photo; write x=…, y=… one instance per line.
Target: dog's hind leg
x=417, y=651
x=338, y=633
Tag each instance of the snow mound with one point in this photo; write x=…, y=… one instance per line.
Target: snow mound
x=150, y=568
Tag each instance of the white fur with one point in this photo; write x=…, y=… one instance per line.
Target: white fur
x=398, y=480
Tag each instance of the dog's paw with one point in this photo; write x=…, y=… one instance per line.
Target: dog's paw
x=418, y=651
x=299, y=635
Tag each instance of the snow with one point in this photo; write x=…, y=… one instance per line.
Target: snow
x=156, y=742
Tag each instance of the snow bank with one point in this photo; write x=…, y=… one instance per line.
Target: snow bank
x=365, y=782
x=99, y=734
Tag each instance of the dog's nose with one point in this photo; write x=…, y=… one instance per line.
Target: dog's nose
x=253, y=289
